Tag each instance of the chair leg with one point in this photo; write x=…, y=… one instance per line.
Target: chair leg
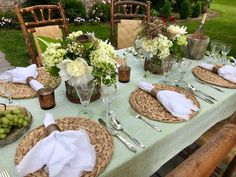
x=231, y=170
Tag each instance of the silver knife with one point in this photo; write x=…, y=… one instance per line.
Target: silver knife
x=115, y=134
x=196, y=94
x=209, y=85
x=200, y=92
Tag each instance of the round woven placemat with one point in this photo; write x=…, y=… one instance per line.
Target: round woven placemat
x=98, y=135
x=212, y=78
x=148, y=106
x=20, y=91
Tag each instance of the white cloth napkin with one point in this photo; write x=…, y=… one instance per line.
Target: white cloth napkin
x=228, y=72
x=177, y=104
x=66, y=153
x=20, y=74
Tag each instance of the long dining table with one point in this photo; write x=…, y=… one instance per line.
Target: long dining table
x=159, y=146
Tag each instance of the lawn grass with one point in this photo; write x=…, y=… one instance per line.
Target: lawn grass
x=221, y=28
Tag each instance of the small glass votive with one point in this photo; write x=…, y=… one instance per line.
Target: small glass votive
x=46, y=98
x=124, y=74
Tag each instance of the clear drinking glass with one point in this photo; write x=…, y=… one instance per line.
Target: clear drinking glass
x=183, y=67
x=166, y=66
x=225, y=49
x=215, y=49
x=7, y=92
x=108, y=96
x=84, y=92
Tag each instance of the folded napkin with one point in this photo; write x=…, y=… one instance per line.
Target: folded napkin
x=66, y=153
x=20, y=74
x=177, y=104
x=228, y=72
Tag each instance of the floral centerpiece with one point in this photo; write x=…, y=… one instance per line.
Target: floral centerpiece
x=80, y=58
x=157, y=41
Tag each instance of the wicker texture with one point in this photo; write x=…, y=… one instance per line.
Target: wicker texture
x=16, y=132
x=150, y=107
x=98, y=135
x=212, y=78
x=19, y=91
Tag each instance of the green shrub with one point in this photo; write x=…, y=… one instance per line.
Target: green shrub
x=197, y=8
x=166, y=9
x=101, y=10
x=154, y=13
x=157, y=4
x=74, y=9
x=37, y=2
x=185, y=9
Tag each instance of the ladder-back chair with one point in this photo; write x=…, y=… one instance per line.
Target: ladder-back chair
x=47, y=20
x=125, y=14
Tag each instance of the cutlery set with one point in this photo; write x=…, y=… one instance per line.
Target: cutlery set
x=3, y=172
x=117, y=126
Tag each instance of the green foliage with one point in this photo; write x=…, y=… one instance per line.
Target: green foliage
x=185, y=9
x=166, y=9
x=196, y=10
x=45, y=41
x=154, y=13
x=10, y=15
x=73, y=9
x=157, y=4
x=101, y=10
x=37, y=2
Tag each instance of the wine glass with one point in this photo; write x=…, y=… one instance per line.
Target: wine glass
x=225, y=49
x=8, y=78
x=183, y=67
x=166, y=66
x=215, y=49
x=84, y=91
x=108, y=95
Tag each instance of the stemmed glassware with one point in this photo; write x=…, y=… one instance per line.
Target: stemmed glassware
x=215, y=49
x=84, y=92
x=183, y=67
x=6, y=92
x=166, y=66
x=108, y=96
x=225, y=49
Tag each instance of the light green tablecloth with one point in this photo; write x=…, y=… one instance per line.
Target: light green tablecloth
x=160, y=147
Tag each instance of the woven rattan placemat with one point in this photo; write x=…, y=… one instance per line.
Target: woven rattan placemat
x=98, y=135
x=212, y=78
x=148, y=106
x=19, y=91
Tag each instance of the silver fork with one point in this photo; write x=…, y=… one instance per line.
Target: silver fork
x=3, y=172
x=151, y=125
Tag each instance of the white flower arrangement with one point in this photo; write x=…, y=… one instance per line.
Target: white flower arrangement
x=159, y=40
x=80, y=58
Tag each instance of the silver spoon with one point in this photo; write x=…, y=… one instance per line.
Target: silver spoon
x=118, y=126
x=115, y=134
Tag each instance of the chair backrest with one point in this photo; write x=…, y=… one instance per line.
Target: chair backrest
x=128, y=10
x=42, y=15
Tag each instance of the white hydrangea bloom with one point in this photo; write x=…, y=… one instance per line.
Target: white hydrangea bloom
x=104, y=53
x=53, y=55
x=72, y=36
x=175, y=31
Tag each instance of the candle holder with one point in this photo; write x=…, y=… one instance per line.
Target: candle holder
x=46, y=98
x=124, y=74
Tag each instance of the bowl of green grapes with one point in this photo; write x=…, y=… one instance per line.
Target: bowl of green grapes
x=14, y=122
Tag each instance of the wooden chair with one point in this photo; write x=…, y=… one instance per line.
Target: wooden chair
x=203, y=162
x=128, y=15
x=44, y=23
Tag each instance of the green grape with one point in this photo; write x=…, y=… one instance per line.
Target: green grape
x=16, y=111
x=5, y=121
x=7, y=130
x=10, y=122
x=27, y=118
x=6, y=112
x=3, y=136
x=8, y=116
x=21, y=115
x=15, y=119
x=19, y=125
x=20, y=121
x=25, y=123
x=2, y=131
